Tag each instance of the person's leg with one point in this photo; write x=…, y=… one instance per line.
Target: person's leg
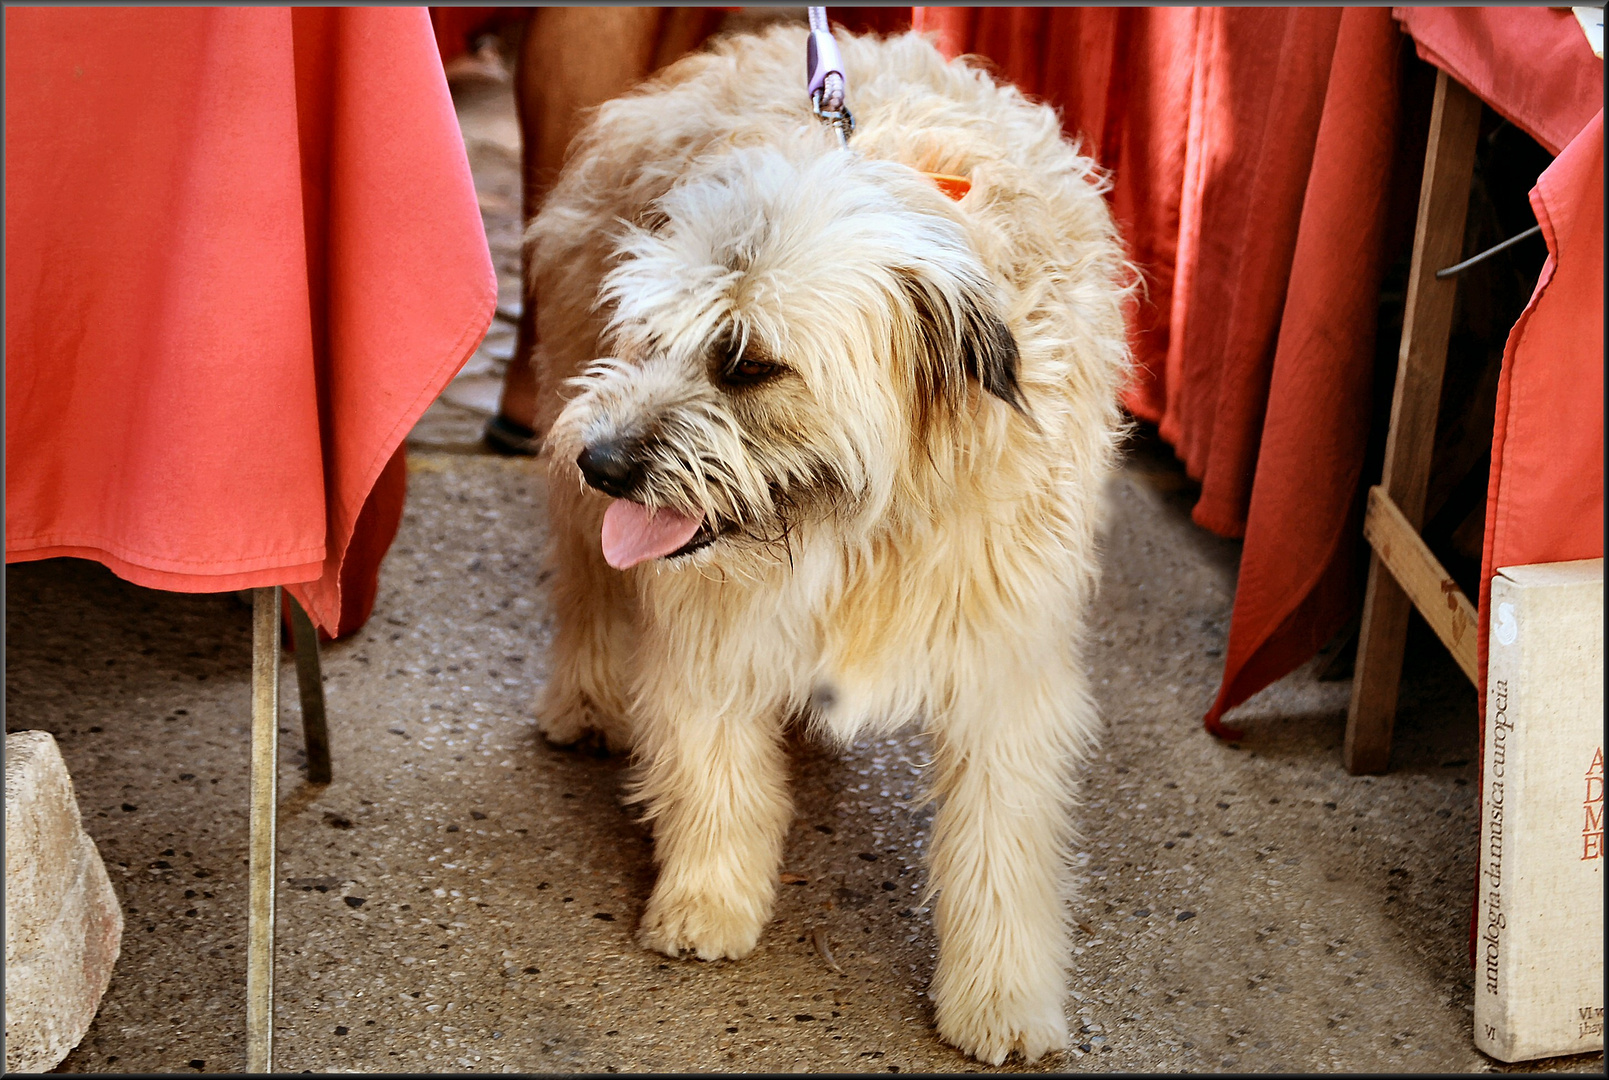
x=562, y=71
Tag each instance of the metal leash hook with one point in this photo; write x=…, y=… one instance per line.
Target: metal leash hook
x=824, y=78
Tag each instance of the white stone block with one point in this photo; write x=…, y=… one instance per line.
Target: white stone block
x=63, y=922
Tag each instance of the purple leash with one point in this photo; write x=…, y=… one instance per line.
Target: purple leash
x=824, y=78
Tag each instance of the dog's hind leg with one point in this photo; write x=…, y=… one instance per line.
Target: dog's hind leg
x=593, y=640
x=716, y=790
x=1005, y=757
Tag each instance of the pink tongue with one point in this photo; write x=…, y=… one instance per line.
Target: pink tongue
x=632, y=534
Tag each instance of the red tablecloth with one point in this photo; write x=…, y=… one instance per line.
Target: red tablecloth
x=1256, y=182
x=243, y=255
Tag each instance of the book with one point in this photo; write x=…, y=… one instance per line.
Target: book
x=1591, y=20
x=1539, y=921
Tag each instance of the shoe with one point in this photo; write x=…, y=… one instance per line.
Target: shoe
x=511, y=438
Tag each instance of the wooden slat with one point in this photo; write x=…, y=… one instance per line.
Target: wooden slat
x=1428, y=312
x=1421, y=360
x=1422, y=577
x=261, y=845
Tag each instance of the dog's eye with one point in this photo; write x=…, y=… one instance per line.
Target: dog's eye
x=746, y=371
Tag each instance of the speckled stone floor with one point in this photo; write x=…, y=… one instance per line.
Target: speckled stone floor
x=462, y=896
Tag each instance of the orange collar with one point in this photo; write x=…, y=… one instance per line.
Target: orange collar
x=953, y=186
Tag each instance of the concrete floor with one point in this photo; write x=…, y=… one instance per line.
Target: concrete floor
x=462, y=897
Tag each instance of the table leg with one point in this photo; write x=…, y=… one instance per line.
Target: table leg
x=310, y=681
x=1421, y=360
x=264, y=802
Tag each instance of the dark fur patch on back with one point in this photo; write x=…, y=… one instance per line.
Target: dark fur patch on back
x=970, y=343
x=991, y=358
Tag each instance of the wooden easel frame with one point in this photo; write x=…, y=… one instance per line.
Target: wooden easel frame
x=1401, y=567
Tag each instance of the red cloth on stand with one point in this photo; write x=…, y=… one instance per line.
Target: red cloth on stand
x=1533, y=66
x=1298, y=567
x=1545, y=497
x=243, y=255
x=1530, y=64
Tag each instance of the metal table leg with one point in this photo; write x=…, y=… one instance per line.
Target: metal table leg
x=310, y=681
x=264, y=801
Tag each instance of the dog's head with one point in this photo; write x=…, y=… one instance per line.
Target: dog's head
x=788, y=334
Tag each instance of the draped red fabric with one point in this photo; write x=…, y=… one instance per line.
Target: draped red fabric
x=243, y=255
x=1545, y=496
x=1301, y=555
x=1530, y=64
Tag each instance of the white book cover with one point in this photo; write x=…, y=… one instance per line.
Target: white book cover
x=1539, y=931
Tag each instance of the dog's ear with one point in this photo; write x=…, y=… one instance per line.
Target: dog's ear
x=962, y=336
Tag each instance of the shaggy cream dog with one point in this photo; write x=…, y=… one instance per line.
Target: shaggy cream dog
x=840, y=465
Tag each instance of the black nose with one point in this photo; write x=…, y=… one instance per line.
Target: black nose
x=611, y=467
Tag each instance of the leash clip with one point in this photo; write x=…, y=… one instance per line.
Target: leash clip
x=840, y=120
x=824, y=78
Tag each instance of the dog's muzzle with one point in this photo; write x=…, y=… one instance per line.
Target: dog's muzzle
x=613, y=467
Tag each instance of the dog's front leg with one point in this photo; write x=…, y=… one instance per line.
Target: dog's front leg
x=1000, y=844
x=716, y=791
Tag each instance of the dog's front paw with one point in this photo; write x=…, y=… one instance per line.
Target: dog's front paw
x=704, y=925
x=981, y=1020
x=577, y=721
